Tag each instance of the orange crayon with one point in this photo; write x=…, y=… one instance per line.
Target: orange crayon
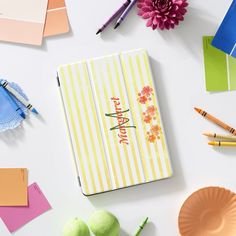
x=216, y=121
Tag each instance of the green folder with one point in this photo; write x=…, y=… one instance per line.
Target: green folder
x=220, y=68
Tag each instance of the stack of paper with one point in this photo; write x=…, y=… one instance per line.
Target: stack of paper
x=25, y=21
x=19, y=204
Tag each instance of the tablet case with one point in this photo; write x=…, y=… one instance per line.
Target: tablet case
x=114, y=121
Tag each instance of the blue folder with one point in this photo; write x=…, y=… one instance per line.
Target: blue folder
x=225, y=38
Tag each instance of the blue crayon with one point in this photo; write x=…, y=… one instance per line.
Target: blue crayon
x=12, y=102
x=18, y=96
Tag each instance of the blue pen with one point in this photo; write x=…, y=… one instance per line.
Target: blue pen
x=12, y=102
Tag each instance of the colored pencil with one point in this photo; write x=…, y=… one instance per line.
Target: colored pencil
x=220, y=136
x=116, y=14
x=216, y=121
x=125, y=13
x=222, y=144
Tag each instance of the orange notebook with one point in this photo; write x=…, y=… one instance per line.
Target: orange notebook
x=13, y=187
x=56, y=19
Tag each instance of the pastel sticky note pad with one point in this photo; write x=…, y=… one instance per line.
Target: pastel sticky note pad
x=220, y=68
x=16, y=217
x=57, y=19
x=22, y=21
x=225, y=38
x=114, y=121
x=13, y=187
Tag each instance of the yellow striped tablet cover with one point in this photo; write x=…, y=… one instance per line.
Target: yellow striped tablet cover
x=114, y=121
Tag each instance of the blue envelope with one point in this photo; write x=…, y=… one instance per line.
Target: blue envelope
x=225, y=38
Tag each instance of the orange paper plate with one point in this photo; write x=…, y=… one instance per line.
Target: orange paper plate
x=209, y=212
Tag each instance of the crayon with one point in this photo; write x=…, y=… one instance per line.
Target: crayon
x=18, y=96
x=117, y=13
x=220, y=136
x=222, y=144
x=216, y=121
x=125, y=13
x=140, y=228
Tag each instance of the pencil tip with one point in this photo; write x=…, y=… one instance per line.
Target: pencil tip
x=197, y=109
x=211, y=143
x=117, y=25
x=205, y=134
x=99, y=31
x=35, y=111
x=22, y=114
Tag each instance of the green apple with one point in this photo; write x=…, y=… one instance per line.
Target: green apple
x=103, y=223
x=76, y=227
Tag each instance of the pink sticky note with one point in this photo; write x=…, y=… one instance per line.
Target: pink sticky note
x=16, y=217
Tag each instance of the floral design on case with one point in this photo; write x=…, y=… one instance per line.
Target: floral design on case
x=149, y=116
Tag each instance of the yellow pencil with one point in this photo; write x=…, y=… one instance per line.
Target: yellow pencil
x=222, y=144
x=220, y=136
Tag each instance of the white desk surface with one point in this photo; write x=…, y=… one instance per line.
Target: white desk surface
x=41, y=145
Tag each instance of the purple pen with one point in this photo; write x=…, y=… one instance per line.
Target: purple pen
x=117, y=13
x=125, y=13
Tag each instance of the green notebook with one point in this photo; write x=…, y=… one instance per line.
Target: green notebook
x=220, y=68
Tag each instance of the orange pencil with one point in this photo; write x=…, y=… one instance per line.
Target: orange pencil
x=216, y=121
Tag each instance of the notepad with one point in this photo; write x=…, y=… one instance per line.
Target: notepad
x=225, y=38
x=16, y=217
x=220, y=68
x=22, y=21
x=114, y=121
x=13, y=187
x=57, y=19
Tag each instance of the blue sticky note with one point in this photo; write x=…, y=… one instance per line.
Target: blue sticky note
x=225, y=38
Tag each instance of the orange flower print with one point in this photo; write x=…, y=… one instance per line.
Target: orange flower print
x=147, y=91
x=151, y=110
x=151, y=138
x=142, y=99
x=155, y=129
x=149, y=114
x=147, y=119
